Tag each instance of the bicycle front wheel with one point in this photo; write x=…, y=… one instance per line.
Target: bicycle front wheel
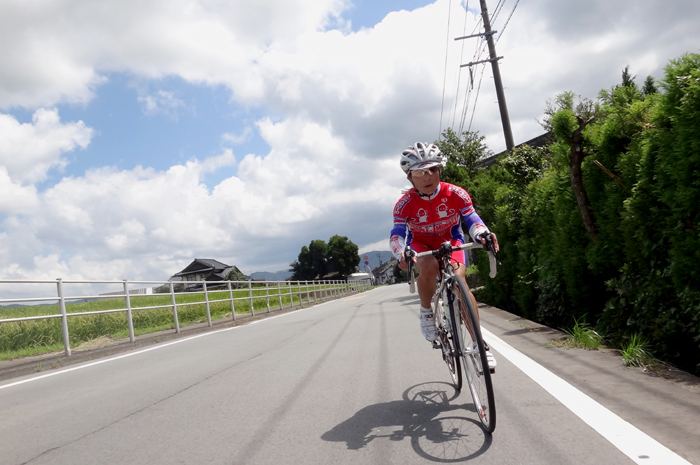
x=448, y=345
x=473, y=353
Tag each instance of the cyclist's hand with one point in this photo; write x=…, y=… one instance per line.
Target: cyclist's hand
x=402, y=262
x=483, y=237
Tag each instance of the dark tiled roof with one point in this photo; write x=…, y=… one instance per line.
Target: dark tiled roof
x=200, y=265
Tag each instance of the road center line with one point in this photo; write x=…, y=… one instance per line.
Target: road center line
x=631, y=441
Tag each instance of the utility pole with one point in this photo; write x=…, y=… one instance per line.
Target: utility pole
x=493, y=58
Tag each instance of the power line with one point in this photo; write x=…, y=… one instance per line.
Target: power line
x=497, y=10
x=508, y=20
x=444, y=79
x=461, y=56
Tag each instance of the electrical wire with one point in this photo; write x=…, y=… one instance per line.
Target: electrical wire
x=459, y=70
x=496, y=11
x=444, y=79
x=477, y=56
x=508, y=20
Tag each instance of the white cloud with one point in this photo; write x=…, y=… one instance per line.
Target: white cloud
x=29, y=150
x=137, y=219
x=162, y=102
x=15, y=198
x=237, y=139
x=341, y=105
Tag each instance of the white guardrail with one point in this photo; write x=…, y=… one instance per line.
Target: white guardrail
x=316, y=290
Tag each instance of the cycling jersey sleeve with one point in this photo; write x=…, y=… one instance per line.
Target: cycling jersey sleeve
x=397, y=238
x=475, y=225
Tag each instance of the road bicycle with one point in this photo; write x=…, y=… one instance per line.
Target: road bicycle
x=458, y=332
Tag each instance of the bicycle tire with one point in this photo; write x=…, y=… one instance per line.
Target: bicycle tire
x=448, y=347
x=473, y=361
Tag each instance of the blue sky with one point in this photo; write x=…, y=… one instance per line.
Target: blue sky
x=138, y=135
x=128, y=134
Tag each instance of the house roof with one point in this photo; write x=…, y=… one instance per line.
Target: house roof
x=539, y=141
x=200, y=265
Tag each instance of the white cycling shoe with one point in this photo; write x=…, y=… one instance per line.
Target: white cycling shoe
x=427, y=325
x=490, y=359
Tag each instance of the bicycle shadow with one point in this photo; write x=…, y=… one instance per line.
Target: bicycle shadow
x=445, y=439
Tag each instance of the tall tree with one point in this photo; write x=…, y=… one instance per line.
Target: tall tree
x=649, y=86
x=342, y=255
x=311, y=263
x=318, y=259
x=463, y=155
x=627, y=78
x=567, y=121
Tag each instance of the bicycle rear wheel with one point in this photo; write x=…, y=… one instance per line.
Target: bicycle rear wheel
x=473, y=353
x=447, y=345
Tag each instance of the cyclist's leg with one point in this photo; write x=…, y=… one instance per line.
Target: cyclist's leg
x=428, y=267
x=459, y=260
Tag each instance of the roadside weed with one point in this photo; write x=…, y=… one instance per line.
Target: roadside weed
x=582, y=336
x=635, y=353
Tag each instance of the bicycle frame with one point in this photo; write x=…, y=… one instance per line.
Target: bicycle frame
x=457, y=324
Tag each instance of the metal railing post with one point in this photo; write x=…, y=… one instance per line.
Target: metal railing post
x=267, y=295
x=129, y=316
x=64, y=316
x=250, y=293
x=206, y=303
x=172, y=300
x=233, y=306
x=313, y=283
x=291, y=295
x=279, y=293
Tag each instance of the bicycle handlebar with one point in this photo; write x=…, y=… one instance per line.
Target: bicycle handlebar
x=446, y=249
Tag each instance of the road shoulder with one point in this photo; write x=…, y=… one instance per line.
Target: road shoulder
x=665, y=407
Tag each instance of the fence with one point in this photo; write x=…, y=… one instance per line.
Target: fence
x=279, y=292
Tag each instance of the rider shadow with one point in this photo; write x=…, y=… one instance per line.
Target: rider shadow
x=406, y=300
x=451, y=438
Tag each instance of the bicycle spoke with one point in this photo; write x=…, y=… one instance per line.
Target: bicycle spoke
x=474, y=356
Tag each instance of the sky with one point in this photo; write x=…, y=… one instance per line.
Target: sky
x=140, y=134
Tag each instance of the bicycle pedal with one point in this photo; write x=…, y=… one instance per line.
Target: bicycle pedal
x=436, y=345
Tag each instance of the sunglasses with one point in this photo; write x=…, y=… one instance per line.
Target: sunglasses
x=424, y=171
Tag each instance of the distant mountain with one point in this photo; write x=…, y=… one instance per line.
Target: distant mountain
x=373, y=258
x=276, y=276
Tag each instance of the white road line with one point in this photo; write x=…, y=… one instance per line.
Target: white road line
x=159, y=346
x=632, y=442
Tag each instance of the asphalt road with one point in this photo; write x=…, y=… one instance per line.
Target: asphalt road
x=347, y=382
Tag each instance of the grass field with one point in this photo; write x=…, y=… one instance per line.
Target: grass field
x=33, y=337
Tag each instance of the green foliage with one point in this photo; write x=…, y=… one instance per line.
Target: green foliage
x=342, y=255
x=649, y=86
x=635, y=353
x=462, y=156
x=640, y=276
x=581, y=335
x=318, y=259
x=40, y=336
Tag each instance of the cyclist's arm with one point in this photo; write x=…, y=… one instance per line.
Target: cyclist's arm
x=475, y=225
x=399, y=233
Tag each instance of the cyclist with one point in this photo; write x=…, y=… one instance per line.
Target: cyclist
x=425, y=217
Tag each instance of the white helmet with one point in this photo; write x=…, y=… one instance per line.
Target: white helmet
x=421, y=155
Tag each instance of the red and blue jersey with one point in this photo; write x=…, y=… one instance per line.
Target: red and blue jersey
x=432, y=220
